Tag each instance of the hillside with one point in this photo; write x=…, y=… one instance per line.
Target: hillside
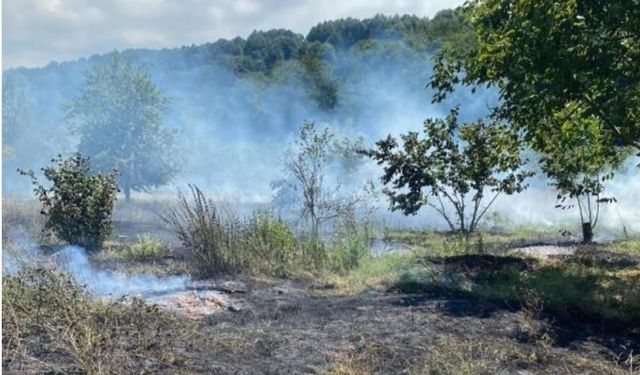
x=356, y=74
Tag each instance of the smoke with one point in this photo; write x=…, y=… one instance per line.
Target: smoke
x=22, y=251
x=19, y=250
x=235, y=129
x=74, y=260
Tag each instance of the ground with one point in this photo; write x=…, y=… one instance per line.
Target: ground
x=285, y=327
x=436, y=306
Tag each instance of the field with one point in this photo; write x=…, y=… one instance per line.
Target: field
x=437, y=305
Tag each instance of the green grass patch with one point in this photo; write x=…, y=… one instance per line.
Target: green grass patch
x=373, y=272
x=600, y=283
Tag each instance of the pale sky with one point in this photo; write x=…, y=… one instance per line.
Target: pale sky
x=35, y=32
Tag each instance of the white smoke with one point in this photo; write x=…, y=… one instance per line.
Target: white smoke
x=74, y=260
x=21, y=251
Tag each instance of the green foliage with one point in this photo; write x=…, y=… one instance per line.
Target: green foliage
x=78, y=205
x=263, y=53
x=271, y=244
x=454, y=164
x=51, y=325
x=546, y=56
x=148, y=248
x=578, y=288
x=217, y=241
x=118, y=116
x=420, y=33
x=351, y=246
x=578, y=160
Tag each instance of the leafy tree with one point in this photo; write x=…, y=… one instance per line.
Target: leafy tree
x=578, y=161
x=452, y=169
x=545, y=56
x=325, y=86
x=118, y=116
x=78, y=205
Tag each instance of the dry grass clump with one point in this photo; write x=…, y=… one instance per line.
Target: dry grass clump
x=217, y=241
x=51, y=325
x=22, y=215
x=475, y=356
x=212, y=241
x=462, y=356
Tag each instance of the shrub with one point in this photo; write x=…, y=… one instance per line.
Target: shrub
x=78, y=205
x=51, y=325
x=459, y=170
x=351, y=246
x=215, y=243
x=270, y=243
x=147, y=248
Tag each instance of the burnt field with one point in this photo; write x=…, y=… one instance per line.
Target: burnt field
x=523, y=301
x=422, y=192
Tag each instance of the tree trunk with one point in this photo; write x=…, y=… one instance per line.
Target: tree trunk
x=587, y=232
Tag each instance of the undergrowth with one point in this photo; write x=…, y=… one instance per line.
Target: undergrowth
x=217, y=241
x=51, y=325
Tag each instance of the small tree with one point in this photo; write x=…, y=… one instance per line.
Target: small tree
x=78, y=205
x=118, y=117
x=577, y=159
x=455, y=166
x=308, y=164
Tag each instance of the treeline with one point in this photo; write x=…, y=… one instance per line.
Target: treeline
x=262, y=54
x=263, y=50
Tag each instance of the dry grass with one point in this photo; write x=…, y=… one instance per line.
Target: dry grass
x=460, y=356
x=473, y=356
x=51, y=325
x=22, y=216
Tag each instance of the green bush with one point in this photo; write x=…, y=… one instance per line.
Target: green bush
x=78, y=205
x=270, y=243
x=349, y=251
x=147, y=248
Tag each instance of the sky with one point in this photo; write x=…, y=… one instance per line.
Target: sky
x=35, y=32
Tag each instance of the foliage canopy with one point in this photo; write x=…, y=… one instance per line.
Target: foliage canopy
x=547, y=56
x=455, y=165
x=78, y=205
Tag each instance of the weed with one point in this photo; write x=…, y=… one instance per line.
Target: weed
x=147, y=248
x=269, y=244
x=212, y=242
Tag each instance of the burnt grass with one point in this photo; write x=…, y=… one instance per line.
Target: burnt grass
x=304, y=326
x=284, y=327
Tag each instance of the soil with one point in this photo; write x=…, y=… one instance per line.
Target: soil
x=285, y=327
